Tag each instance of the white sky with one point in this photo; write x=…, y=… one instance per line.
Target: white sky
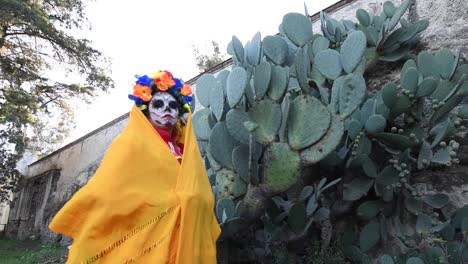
x=143, y=36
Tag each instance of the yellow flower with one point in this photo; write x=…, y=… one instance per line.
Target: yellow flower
x=158, y=74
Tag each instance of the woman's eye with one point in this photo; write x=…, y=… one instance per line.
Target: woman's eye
x=173, y=104
x=158, y=103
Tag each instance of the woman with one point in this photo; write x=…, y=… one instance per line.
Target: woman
x=150, y=201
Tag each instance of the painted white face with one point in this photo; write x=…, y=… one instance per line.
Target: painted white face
x=163, y=110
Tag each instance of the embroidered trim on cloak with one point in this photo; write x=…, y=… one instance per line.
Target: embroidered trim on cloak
x=146, y=251
x=127, y=236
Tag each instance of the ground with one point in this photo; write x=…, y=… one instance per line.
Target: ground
x=31, y=252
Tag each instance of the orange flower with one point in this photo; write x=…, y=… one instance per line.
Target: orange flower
x=186, y=90
x=163, y=80
x=143, y=92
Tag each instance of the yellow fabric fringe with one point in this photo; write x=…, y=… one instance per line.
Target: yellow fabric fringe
x=142, y=206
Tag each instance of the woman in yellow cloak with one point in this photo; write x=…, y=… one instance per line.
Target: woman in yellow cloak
x=150, y=201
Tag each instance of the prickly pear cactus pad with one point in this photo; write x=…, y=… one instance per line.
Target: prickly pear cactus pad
x=308, y=120
x=282, y=166
x=266, y=114
x=229, y=184
x=221, y=145
x=326, y=145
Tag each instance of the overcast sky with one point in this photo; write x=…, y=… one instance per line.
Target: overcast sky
x=143, y=36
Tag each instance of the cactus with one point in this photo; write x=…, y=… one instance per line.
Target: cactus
x=443, y=90
x=281, y=168
x=235, y=120
x=351, y=93
x=423, y=224
x=297, y=28
x=427, y=87
x=240, y=161
x=410, y=80
x=299, y=102
x=428, y=65
x=302, y=67
x=363, y=17
x=266, y=114
x=221, y=145
x=329, y=63
x=319, y=44
x=352, y=50
x=253, y=49
x=217, y=101
x=279, y=83
x=297, y=217
x=369, y=209
x=275, y=49
x=229, y=184
x=357, y=188
x=414, y=260
x=375, y=124
x=326, y=145
x=369, y=236
x=237, y=49
x=438, y=200
x=261, y=79
x=226, y=209
x=308, y=122
x=206, y=83
x=425, y=155
x=236, y=84
x=201, y=124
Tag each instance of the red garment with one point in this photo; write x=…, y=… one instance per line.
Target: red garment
x=171, y=141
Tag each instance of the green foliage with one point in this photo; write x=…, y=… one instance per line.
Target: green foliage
x=30, y=252
x=302, y=115
x=35, y=39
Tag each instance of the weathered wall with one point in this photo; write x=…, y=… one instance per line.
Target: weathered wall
x=4, y=213
x=448, y=23
x=45, y=192
x=49, y=182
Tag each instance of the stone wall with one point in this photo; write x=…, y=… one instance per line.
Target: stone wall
x=4, y=213
x=51, y=181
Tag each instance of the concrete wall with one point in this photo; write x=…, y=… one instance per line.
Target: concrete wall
x=53, y=179
x=4, y=213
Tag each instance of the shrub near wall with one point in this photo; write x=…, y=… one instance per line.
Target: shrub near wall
x=293, y=130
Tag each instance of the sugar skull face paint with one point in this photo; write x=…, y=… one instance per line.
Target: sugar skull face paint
x=163, y=110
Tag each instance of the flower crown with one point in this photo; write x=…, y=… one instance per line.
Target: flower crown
x=163, y=81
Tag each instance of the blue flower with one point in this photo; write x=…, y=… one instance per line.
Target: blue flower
x=178, y=84
x=188, y=99
x=174, y=92
x=145, y=80
x=138, y=100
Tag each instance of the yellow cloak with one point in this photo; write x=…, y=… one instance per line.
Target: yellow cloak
x=142, y=206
